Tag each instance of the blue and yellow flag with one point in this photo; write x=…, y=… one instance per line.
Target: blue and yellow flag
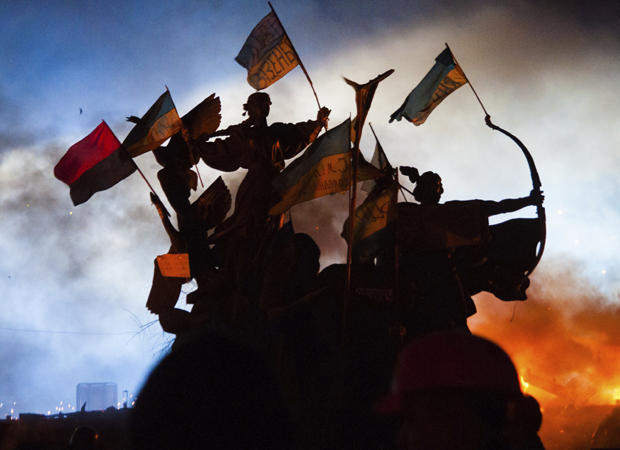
x=375, y=223
x=380, y=161
x=323, y=169
x=267, y=54
x=159, y=123
x=444, y=78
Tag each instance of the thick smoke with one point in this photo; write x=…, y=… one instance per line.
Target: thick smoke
x=322, y=219
x=544, y=71
x=74, y=281
x=566, y=328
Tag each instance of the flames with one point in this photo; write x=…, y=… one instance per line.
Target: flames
x=566, y=334
x=524, y=385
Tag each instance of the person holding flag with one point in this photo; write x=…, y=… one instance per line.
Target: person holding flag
x=261, y=149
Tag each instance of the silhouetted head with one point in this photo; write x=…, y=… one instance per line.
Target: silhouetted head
x=456, y=390
x=212, y=392
x=258, y=105
x=428, y=188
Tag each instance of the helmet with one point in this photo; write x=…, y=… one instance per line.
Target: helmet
x=451, y=360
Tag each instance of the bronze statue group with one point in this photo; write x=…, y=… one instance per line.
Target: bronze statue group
x=278, y=354
x=278, y=321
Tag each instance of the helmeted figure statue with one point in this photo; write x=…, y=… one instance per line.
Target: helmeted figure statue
x=433, y=236
x=262, y=150
x=243, y=238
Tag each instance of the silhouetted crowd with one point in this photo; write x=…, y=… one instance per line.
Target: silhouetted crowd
x=450, y=390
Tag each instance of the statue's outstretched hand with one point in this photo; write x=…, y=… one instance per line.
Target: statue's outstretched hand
x=537, y=197
x=410, y=172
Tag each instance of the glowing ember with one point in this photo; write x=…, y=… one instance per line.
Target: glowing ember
x=524, y=385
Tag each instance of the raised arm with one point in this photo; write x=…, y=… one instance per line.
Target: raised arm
x=222, y=154
x=513, y=204
x=296, y=137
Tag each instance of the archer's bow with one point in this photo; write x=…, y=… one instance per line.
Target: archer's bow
x=540, y=210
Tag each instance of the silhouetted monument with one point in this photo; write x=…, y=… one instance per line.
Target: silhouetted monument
x=243, y=239
x=444, y=249
x=260, y=281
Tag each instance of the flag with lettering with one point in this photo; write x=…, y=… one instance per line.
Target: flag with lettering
x=94, y=164
x=375, y=222
x=323, y=169
x=159, y=123
x=444, y=78
x=267, y=54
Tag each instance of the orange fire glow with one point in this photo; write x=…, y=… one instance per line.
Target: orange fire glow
x=566, y=333
x=524, y=385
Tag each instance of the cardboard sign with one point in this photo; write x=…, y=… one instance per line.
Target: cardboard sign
x=174, y=265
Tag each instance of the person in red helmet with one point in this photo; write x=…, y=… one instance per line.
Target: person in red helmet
x=454, y=390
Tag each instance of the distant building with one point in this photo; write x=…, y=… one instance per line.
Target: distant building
x=97, y=396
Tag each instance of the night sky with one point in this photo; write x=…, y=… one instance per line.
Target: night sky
x=74, y=280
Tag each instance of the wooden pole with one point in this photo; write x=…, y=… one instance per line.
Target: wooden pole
x=128, y=156
x=354, y=160
x=124, y=150
x=399, y=306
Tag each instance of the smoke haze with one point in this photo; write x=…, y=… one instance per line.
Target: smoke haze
x=547, y=73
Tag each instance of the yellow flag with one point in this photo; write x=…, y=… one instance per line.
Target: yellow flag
x=267, y=54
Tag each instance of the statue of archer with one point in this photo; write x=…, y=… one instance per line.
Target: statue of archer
x=446, y=250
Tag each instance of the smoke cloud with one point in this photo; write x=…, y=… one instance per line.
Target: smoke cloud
x=545, y=72
x=567, y=328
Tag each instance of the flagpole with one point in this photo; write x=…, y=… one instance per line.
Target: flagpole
x=126, y=153
x=189, y=146
x=470, y=85
x=380, y=146
x=399, y=313
x=354, y=158
x=399, y=185
x=301, y=64
x=399, y=307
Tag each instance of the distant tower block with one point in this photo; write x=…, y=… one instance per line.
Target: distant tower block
x=97, y=396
